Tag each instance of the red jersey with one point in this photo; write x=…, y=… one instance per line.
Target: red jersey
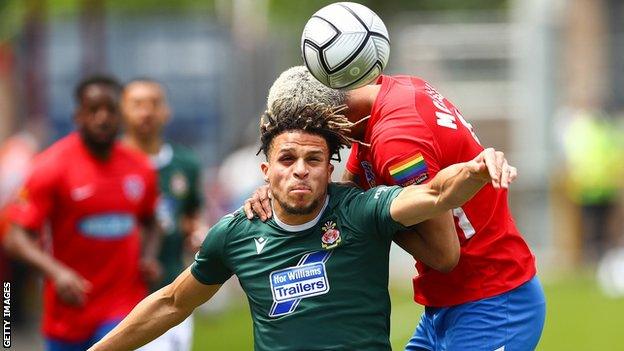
x=413, y=133
x=94, y=209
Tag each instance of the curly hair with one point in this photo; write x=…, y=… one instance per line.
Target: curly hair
x=105, y=80
x=319, y=119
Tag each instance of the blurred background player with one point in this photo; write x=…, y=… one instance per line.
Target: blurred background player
x=96, y=195
x=406, y=132
x=591, y=138
x=146, y=112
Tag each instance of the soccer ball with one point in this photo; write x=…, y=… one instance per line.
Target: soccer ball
x=345, y=45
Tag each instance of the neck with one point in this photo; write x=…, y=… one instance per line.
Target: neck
x=360, y=104
x=297, y=219
x=150, y=146
x=99, y=151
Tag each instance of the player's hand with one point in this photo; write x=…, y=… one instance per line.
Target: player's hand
x=491, y=165
x=259, y=204
x=150, y=270
x=71, y=287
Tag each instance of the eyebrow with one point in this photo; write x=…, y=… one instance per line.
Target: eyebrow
x=290, y=149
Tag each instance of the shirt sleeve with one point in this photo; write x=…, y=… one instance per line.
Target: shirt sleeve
x=418, y=148
x=34, y=201
x=210, y=265
x=369, y=211
x=409, y=158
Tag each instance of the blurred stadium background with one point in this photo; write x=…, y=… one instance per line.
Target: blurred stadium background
x=541, y=79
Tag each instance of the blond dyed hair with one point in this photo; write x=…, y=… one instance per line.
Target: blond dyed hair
x=297, y=101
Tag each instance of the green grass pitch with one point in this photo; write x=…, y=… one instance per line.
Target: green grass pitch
x=578, y=317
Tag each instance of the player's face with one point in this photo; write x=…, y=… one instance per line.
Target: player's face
x=97, y=116
x=298, y=172
x=145, y=109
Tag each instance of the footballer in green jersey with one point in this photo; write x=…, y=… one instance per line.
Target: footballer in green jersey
x=180, y=199
x=145, y=111
x=320, y=285
x=315, y=275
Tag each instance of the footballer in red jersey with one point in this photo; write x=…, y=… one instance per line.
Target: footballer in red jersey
x=96, y=195
x=404, y=132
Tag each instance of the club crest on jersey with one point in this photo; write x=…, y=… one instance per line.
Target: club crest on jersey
x=331, y=236
x=179, y=184
x=133, y=187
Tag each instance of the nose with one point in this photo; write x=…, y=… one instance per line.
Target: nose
x=300, y=169
x=104, y=116
x=144, y=113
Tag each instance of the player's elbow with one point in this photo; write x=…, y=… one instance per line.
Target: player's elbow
x=445, y=258
x=11, y=242
x=446, y=261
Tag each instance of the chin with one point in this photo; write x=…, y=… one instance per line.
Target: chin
x=105, y=143
x=102, y=145
x=300, y=209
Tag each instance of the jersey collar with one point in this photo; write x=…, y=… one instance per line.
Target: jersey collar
x=163, y=157
x=304, y=226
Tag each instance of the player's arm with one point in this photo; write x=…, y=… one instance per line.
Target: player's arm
x=451, y=188
x=192, y=224
x=349, y=177
x=352, y=166
x=152, y=240
x=433, y=242
x=158, y=313
x=151, y=232
x=69, y=285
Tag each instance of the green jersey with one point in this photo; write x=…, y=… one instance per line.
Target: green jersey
x=178, y=173
x=322, y=285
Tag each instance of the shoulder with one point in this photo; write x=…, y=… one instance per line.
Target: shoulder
x=54, y=159
x=184, y=154
x=338, y=192
x=234, y=224
x=135, y=157
x=407, y=116
x=344, y=195
x=406, y=79
x=185, y=158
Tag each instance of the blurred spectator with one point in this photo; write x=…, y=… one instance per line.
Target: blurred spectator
x=16, y=154
x=595, y=172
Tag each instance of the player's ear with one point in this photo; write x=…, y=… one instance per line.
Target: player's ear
x=264, y=167
x=330, y=171
x=167, y=112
